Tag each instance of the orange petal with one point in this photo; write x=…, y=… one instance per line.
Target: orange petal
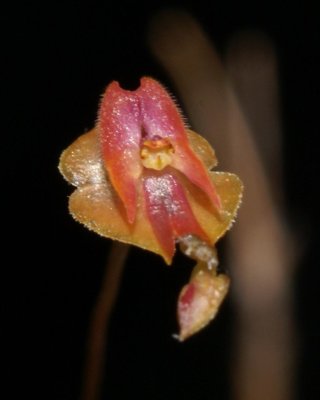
x=119, y=126
x=82, y=166
x=230, y=189
x=185, y=161
x=202, y=148
x=99, y=209
x=95, y=203
x=81, y=163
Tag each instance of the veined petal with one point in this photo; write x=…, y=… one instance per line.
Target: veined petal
x=119, y=127
x=168, y=210
x=161, y=118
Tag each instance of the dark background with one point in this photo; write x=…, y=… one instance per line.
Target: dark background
x=57, y=59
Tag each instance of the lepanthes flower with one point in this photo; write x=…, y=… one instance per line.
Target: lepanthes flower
x=143, y=178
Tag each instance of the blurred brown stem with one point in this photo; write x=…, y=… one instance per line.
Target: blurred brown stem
x=238, y=112
x=264, y=253
x=97, y=339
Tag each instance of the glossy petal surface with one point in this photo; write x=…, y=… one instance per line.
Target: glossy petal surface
x=97, y=205
x=200, y=146
x=230, y=188
x=168, y=210
x=162, y=118
x=119, y=126
x=143, y=178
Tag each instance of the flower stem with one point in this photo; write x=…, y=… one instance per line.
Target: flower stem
x=97, y=339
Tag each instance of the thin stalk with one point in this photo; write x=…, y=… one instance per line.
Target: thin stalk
x=97, y=339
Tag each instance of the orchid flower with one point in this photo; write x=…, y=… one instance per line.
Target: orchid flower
x=143, y=178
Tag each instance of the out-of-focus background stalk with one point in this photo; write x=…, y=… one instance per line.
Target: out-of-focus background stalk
x=246, y=77
x=238, y=113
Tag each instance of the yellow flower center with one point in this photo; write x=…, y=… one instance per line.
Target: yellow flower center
x=156, y=154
